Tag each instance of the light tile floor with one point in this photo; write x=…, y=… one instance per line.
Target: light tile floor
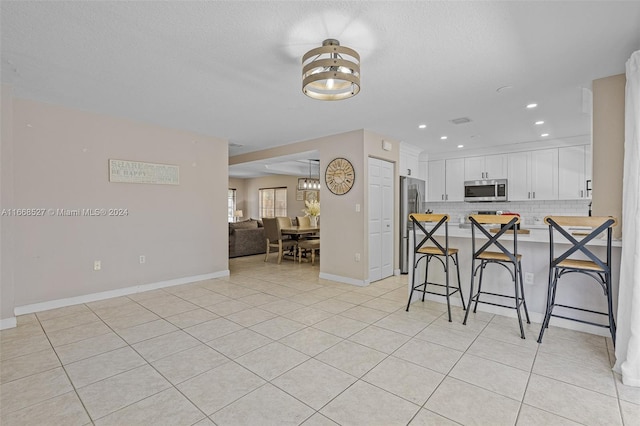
x=274, y=344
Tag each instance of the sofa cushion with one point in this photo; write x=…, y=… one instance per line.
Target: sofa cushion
x=247, y=224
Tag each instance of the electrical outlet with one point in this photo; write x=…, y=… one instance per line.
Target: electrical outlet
x=143, y=259
x=528, y=277
x=357, y=208
x=97, y=265
x=357, y=257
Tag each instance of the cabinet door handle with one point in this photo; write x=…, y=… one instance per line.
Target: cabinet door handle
x=446, y=197
x=442, y=197
x=486, y=174
x=581, y=193
x=408, y=172
x=534, y=194
x=528, y=194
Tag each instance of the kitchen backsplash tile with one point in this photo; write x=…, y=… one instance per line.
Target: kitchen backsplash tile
x=530, y=211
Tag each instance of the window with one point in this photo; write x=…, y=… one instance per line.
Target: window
x=273, y=202
x=231, y=204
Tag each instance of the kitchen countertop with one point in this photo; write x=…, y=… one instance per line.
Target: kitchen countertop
x=538, y=234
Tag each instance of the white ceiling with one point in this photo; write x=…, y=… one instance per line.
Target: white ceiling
x=231, y=69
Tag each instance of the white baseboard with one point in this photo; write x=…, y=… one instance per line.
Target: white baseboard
x=60, y=303
x=535, y=317
x=8, y=323
x=346, y=280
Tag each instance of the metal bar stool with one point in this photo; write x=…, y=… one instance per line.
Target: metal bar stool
x=422, y=251
x=505, y=258
x=596, y=268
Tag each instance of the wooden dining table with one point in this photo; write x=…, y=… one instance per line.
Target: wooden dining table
x=296, y=232
x=300, y=230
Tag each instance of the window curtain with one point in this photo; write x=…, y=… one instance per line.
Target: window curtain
x=628, y=333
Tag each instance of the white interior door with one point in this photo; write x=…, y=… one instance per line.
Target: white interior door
x=380, y=212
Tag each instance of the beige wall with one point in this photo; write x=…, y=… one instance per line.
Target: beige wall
x=60, y=161
x=608, y=147
x=6, y=201
x=253, y=185
x=343, y=231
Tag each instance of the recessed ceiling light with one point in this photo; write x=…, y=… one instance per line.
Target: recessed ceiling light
x=460, y=146
x=532, y=106
x=422, y=126
x=539, y=122
x=443, y=138
x=544, y=135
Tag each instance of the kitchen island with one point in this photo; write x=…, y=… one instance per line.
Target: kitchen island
x=573, y=289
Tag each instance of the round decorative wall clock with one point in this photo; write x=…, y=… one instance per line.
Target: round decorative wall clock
x=340, y=176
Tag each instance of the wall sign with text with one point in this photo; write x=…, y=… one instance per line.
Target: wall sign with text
x=139, y=172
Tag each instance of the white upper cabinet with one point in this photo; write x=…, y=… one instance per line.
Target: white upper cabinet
x=519, y=176
x=435, y=180
x=495, y=166
x=454, y=182
x=446, y=180
x=574, y=170
x=533, y=175
x=544, y=174
x=409, y=161
x=473, y=168
x=485, y=167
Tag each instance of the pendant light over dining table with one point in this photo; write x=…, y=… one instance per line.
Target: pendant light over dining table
x=331, y=72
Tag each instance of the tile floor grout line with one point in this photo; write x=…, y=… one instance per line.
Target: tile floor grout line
x=73, y=387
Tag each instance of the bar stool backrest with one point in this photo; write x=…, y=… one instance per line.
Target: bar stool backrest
x=507, y=223
x=597, y=225
x=419, y=221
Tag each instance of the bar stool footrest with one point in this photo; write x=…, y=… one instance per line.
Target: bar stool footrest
x=497, y=304
x=578, y=309
x=582, y=321
x=455, y=290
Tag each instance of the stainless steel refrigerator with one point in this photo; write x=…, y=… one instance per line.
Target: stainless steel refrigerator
x=412, y=195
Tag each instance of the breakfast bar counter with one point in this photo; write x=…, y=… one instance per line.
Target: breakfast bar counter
x=577, y=289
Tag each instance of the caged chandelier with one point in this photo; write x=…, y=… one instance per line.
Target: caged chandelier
x=331, y=72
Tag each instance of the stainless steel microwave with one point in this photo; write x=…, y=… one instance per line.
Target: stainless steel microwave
x=485, y=190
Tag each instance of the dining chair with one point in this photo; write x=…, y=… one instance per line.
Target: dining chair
x=303, y=221
x=586, y=228
x=310, y=245
x=273, y=235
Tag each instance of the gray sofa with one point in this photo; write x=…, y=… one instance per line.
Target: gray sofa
x=246, y=238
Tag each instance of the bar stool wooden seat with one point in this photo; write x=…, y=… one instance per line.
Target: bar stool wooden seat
x=429, y=224
x=509, y=259
x=595, y=267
